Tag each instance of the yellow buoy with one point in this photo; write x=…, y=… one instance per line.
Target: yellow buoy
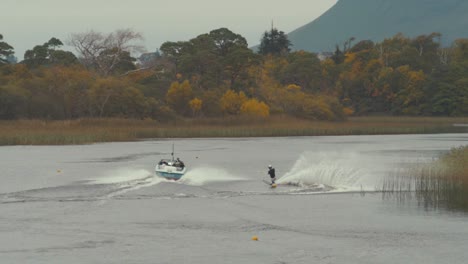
x=255, y=238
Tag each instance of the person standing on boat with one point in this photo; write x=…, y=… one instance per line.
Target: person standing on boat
x=180, y=163
x=271, y=172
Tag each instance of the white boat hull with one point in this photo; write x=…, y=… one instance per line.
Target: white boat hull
x=170, y=172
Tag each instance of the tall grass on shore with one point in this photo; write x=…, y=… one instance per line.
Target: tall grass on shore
x=442, y=183
x=85, y=131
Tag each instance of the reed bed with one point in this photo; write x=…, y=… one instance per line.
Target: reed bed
x=85, y=131
x=442, y=183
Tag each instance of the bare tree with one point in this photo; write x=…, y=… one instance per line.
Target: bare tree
x=105, y=51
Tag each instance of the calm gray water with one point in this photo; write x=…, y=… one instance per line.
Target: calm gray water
x=101, y=203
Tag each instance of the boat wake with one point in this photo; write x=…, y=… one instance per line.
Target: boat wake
x=126, y=180
x=121, y=175
x=111, y=184
x=205, y=175
x=330, y=172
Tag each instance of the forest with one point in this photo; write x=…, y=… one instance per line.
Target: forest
x=216, y=74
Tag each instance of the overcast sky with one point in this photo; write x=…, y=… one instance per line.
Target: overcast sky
x=26, y=23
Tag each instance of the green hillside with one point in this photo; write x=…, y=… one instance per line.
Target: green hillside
x=379, y=19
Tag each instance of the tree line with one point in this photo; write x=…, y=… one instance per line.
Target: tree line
x=216, y=74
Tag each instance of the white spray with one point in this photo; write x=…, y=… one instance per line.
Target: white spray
x=341, y=172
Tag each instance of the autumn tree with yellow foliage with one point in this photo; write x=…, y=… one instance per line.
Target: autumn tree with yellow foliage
x=231, y=102
x=254, y=108
x=178, y=97
x=196, y=106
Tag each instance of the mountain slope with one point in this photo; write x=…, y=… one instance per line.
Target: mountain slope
x=379, y=19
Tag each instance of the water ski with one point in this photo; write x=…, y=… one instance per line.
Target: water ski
x=272, y=185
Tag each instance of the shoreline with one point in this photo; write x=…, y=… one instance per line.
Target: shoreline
x=88, y=131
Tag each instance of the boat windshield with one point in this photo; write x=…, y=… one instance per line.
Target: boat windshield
x=164, y=162
x=176, y=163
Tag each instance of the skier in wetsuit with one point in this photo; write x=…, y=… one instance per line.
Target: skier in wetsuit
x=271, y=172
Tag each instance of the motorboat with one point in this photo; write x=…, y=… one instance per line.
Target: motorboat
x=171, y=169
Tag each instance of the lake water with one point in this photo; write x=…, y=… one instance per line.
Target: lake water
x=101, y=203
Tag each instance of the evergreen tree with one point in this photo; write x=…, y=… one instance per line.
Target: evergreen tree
x=5, y=51
x=49, y=54
x=274, y=42
x=338, y=56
